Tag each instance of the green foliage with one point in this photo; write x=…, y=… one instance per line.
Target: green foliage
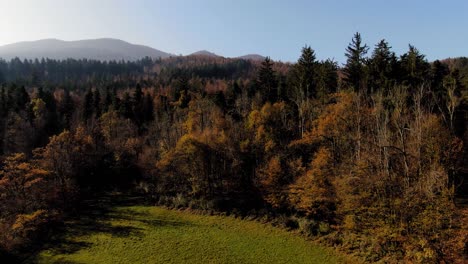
x=382, y=68
x=267, y=82
x=355, y=70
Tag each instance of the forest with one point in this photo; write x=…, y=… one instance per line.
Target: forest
x=369, y=156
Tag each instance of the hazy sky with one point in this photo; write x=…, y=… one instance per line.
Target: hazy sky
x=277, y=28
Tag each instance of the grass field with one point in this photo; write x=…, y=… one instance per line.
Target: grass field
x=127, y=233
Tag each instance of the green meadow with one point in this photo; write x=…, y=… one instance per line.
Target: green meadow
x=129, y=233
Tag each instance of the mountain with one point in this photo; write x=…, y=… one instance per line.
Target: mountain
x=254, y=57
x=204, y=53
x=105, y=49
x=98, y=49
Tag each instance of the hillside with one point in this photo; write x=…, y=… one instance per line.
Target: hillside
x=98, y=49
x=254, y=57
x=103, y=49
x=205, y=53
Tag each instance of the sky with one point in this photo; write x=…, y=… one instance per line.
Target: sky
x=275, y=28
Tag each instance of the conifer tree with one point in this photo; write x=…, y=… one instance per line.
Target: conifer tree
x=148, y=108
x=355, y=70
x=97, y=103
x=3, y=102
x=88, y=105
x=20, y=98
x=126, y=106
x=107, y=100
x=414, y=67
x=266, y=81
x=306, y=71
x=137, y=107
x=381, y=67
x=67, y=108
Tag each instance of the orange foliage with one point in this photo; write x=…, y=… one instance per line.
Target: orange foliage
x=312, y=192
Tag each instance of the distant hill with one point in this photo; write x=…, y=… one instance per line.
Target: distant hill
x=105, y=49
x=98, y=49
x=204, y=53
x=254, y=57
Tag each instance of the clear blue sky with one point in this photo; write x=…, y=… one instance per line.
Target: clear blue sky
x=276, y=28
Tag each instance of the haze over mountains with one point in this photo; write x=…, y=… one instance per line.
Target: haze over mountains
x=99, y=49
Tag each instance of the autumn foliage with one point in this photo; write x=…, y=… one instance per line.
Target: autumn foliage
x=369, y=157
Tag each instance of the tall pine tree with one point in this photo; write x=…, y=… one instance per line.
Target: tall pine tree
x=381, y=67
x=306, y=72
x=266, y=81
x=355, y=68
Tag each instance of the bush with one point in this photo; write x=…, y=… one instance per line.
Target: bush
x=179, y=201
x=307, y=227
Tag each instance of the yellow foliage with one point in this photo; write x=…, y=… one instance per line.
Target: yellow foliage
x=334, y=122
x=25, y=222
x=272, y=174
x=271, y=179
x=312, y=191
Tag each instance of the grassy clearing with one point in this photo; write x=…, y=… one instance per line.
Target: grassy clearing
x=127, y=233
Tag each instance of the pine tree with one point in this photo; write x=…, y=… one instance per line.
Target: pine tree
x=137, y=108
x=52, y=119
x=381, y=67
x=88, y=105
x=20, y=97
x=306, y=72
x=148, y=108
x=67, y=108
x=326, y=78
x=3, y=102
x=355, y=70
x=137, y=96
x=126, y=106
x=97, y=103
x=266, y=81
x=107, y=100
x=414, y=67
x=115, y=100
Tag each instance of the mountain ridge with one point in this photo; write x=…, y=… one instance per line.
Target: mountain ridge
x=100, y=49
x=104, y=49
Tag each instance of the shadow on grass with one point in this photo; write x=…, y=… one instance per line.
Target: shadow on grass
x=93, y=216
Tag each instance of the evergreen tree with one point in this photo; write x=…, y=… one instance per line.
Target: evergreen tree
x=97, y=103
x=381, y=67
x=51, y=105
x=88, y=105
x=326, y=78
x=107, y=100
x=20, y=98
x=115, y=100
x=67, y=108
x=266, y=81
x=3, y=102
x=137, y=96
x=355, y=70
x=148, y=108
x=220, y=100
x=414, y=67
x=232, y=92
x=306, y=72
x=126, y=106
x=138, y=110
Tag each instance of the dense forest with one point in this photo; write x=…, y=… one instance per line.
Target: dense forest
x=369, y=156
